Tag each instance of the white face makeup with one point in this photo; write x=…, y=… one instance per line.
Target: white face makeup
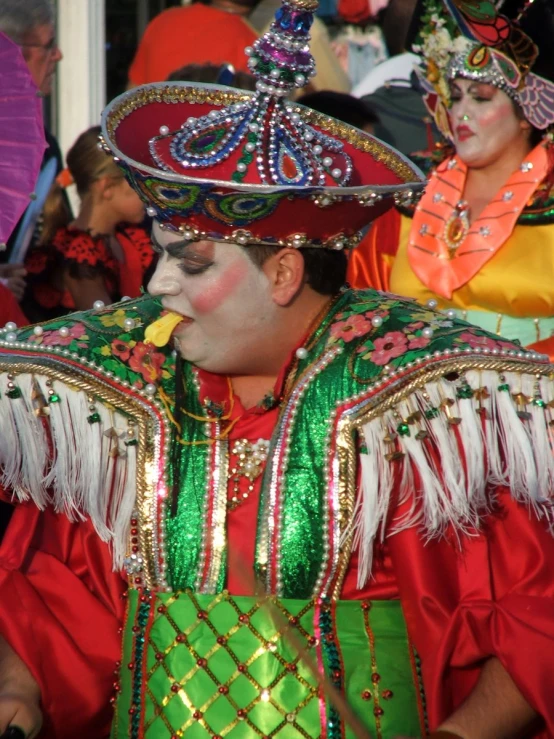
x=484, y=122
x=224, y=298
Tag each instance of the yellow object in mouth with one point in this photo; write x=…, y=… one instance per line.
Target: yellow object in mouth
x=159, y=332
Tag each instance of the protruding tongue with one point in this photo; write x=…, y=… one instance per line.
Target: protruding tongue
x=159, y=332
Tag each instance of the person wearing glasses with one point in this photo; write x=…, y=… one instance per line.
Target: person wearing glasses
x=31, y=25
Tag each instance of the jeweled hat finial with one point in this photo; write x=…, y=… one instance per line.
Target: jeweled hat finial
x=227, y=165
x=281, y=59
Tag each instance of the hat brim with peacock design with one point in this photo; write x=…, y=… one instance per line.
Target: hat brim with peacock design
x=506, y=43
x=255, y=168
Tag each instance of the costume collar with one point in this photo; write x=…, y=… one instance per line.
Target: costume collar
x=446, y=250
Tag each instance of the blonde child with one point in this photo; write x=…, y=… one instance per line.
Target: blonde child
x=102, y=254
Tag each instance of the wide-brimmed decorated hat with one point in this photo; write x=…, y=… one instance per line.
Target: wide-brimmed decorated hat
x=507, y=43
x=255, y=168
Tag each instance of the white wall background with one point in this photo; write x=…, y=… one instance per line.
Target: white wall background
x=81, y=85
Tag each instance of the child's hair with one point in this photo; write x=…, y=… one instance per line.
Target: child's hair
x=86, y=164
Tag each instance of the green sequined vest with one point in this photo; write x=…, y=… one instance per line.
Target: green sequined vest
x=198, y=662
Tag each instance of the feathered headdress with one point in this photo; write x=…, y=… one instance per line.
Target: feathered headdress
x=504, y=43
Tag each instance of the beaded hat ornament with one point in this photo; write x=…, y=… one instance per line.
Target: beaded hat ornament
x=504, y=43
x=255, y=168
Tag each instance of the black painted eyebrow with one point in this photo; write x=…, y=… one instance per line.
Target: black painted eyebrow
x=177, y=250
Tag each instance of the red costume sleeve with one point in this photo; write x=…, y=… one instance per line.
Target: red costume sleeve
x=61, y=611
x=472, y=597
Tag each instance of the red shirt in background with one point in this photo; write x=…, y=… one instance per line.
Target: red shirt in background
x=195, y=34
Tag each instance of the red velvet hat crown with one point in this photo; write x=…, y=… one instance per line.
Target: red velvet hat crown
x=228, y=165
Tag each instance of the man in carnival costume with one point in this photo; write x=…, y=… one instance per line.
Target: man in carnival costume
x=332, y=511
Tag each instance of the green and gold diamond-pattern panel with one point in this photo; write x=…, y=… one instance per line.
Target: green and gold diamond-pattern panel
x=221, y=668
x=214, y=666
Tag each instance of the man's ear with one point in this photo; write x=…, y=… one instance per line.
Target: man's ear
x=286, y=273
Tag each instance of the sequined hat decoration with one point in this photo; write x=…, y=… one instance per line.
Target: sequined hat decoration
x=228, y=165
x=492, y=43
x=266, y=131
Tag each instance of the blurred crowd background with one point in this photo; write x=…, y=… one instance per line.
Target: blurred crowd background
x=89, y=239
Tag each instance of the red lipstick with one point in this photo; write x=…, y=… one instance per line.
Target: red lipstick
x=463, y=133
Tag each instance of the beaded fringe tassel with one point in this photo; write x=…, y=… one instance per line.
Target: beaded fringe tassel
x=454, y=443
x=59, y=447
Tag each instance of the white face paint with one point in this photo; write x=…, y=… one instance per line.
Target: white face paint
x=485, y=124
x=224, y=298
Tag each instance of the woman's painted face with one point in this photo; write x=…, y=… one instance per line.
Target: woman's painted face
x=224, y=298
x=484, y=122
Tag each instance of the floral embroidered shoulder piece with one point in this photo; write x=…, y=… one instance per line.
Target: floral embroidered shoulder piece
x=392, y=381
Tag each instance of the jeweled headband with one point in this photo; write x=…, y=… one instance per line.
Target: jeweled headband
x=533, y=94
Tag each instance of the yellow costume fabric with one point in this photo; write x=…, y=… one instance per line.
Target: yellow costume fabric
x=518, y=280
x=512, y=295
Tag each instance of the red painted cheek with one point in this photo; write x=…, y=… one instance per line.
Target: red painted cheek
x=495, y=116
x=217, y=293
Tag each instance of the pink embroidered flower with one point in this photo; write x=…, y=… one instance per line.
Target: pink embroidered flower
x=414, y=326
x=418, y=342
x=55, y=338
x=350, y=328
x=381, y=312
x=148, y=362
x=483, y=342
x=121, y=349
x=391, y=345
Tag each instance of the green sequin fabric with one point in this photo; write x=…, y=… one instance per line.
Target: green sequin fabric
x=213, y=666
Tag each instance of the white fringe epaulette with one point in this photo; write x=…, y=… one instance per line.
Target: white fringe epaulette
x=59, y=447
x=449, y=444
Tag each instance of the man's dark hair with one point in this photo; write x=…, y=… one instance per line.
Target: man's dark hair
x=341, y=106
x=325, y=269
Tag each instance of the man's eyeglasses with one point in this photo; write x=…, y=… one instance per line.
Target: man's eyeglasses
x=50, y=46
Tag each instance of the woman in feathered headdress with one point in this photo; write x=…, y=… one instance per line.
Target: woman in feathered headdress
x=480, y=241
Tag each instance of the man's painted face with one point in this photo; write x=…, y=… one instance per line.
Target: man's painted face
x=224, y=298
x=484, y=122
